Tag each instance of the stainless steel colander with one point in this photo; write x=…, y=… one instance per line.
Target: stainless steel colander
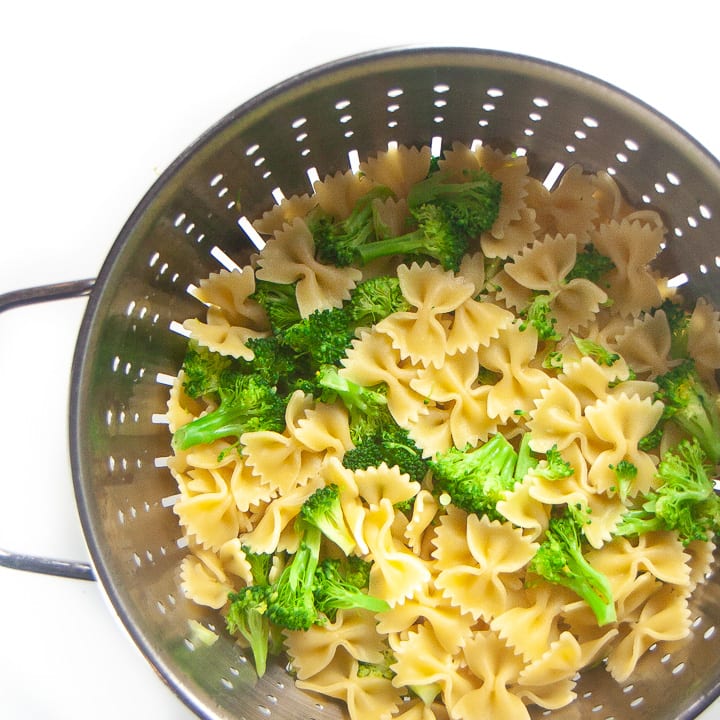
x=196, y=219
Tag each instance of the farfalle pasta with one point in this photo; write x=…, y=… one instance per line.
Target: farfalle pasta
x=419, y=334
x=631, y=245
x=542, y=268
x=289, y=257
x=551, y=330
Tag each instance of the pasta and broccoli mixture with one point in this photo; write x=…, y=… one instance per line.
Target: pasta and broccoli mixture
x=449, y=438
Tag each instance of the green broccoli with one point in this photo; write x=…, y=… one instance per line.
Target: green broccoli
x=471, y=206
x=375, y=434
x=290, y=599
x=336, y=241
x=538, y=314
x=651, y=441
x=375, y=299
x=476, y=479
x=685, y=500
x=446, y=216
x=590, y=264
x=366, y=406
x=690, y=406
x=203, y=370
x=391, y=445
x=679, y=322
x=590, y=348
x=625, y=474
x=247, y=403
x=526, y=459
x=559, y=559
x=279, y=302
x=435, y=237
x=323, y=511
x=247, y=616
x=273, y=361
x=356, y=571
x=323, y=337
x=333, y=591
x=260, y=565
x=555, y=466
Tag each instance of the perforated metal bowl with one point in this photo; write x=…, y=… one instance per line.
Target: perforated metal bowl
x=196, y=219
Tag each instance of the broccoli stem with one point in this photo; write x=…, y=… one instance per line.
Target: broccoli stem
x=291, y=603
x=247, y=617
x=434, y=237
x=412, y=243
x=591, y=585
x=560, y=560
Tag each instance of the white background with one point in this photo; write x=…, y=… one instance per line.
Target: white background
x=96, y=99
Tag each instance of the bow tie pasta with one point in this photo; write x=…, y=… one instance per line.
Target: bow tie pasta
x=452, y=437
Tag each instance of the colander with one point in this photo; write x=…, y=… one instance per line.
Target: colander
x=197, y=218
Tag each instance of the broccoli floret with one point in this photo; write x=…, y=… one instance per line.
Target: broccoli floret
x=279, y=302
x=203, y=370
x=356, y=571
x=684, y=501
x=336, y=241
x=471, y=206
x=690, y=406
x=366, y=406
x=590, y=348
x=476, y=479
x=625, y=474
x=274, y=362
x=679, y=321
x=560, y=560
x=334, y=592
x=260, y=565
x=391, y=445
x=435, y=237
x=323, y=511
x=555, y=466
x=375, y=299
x=446, y=215
x=375, y=434
x=590, y=264
x=323, y=336
x=247, y=616
x=290, y=600
x=651, y=441
x=247, y=404
x=538, y=314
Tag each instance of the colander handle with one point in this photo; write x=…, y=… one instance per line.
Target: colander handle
x=33, y=563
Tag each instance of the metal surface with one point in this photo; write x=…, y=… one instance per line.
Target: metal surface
x=194, y=218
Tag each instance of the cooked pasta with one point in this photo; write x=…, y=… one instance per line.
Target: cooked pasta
x=470, y=629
